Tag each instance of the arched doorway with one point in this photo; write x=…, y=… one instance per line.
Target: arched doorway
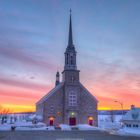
x=72, y=121
x=72, y=118
x=90, y=120
x=51, y=121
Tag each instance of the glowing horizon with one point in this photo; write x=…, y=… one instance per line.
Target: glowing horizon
x=33, y=39
x=10, y=108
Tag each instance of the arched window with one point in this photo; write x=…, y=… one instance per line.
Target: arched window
x=71, y=59
x=67, y=59
x=72, y=99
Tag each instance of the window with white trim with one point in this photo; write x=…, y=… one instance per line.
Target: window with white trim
x=72, y=99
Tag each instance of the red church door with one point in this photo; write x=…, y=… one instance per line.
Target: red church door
x=72, y=121
x=51, y=122
x=90, y=120
x=51, y=119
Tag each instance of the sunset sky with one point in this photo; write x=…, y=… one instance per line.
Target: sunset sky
x=33, y=38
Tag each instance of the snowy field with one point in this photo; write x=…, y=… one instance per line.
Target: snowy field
x=115, y=127
x=105, y=123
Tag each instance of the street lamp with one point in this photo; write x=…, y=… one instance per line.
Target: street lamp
x=121, y=103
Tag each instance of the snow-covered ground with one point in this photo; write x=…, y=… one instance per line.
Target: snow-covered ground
x=26, y=126
x=104, y=124
x=115, y=127
x=65, y=127
x=41, y=126
x=129, y=131
x=87, y=127
x=5, y=127
x=108, y=118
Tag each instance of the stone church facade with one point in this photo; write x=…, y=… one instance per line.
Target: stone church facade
x=69, y=102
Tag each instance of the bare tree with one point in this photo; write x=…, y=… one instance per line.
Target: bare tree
x=3, y=113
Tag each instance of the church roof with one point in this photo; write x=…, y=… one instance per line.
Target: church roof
x=92, y=96
x=50, y=93
x=132, y=115
x=45, y=97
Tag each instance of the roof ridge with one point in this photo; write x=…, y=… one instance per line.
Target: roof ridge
x=48, y=94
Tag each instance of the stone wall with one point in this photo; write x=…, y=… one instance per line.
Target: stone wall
x=53, y=107
x=88, y=107
x=56, y=106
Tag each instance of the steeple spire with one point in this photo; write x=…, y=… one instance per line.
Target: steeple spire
x=70, y=53
x=70, y=41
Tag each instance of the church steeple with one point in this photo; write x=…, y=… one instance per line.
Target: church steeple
x=70, y=41
x=70, y=54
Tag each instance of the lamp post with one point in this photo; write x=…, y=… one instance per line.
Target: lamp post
x=121, y=104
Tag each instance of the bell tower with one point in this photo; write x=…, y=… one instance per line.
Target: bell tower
x=70, y=53
x=70, y=73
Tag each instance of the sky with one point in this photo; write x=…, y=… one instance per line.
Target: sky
x=34, y=36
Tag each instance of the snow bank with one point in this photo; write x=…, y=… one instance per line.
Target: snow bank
x=28, y=124
x=86, y=127
x=129, y=131
x=5, y=127
x=30, y=128
x=25, y=126
x=109, y=125
x=80, y=127
x=105, y=123
x=50, y=128
x=65, y=127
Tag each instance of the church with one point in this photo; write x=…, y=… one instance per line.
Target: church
x=69, y=102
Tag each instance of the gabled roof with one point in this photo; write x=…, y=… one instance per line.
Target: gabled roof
x=89, y=93
x=132, y=115
x=50, y=93
x=44, y=98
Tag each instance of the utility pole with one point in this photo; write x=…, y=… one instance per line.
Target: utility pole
x=121, y=104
